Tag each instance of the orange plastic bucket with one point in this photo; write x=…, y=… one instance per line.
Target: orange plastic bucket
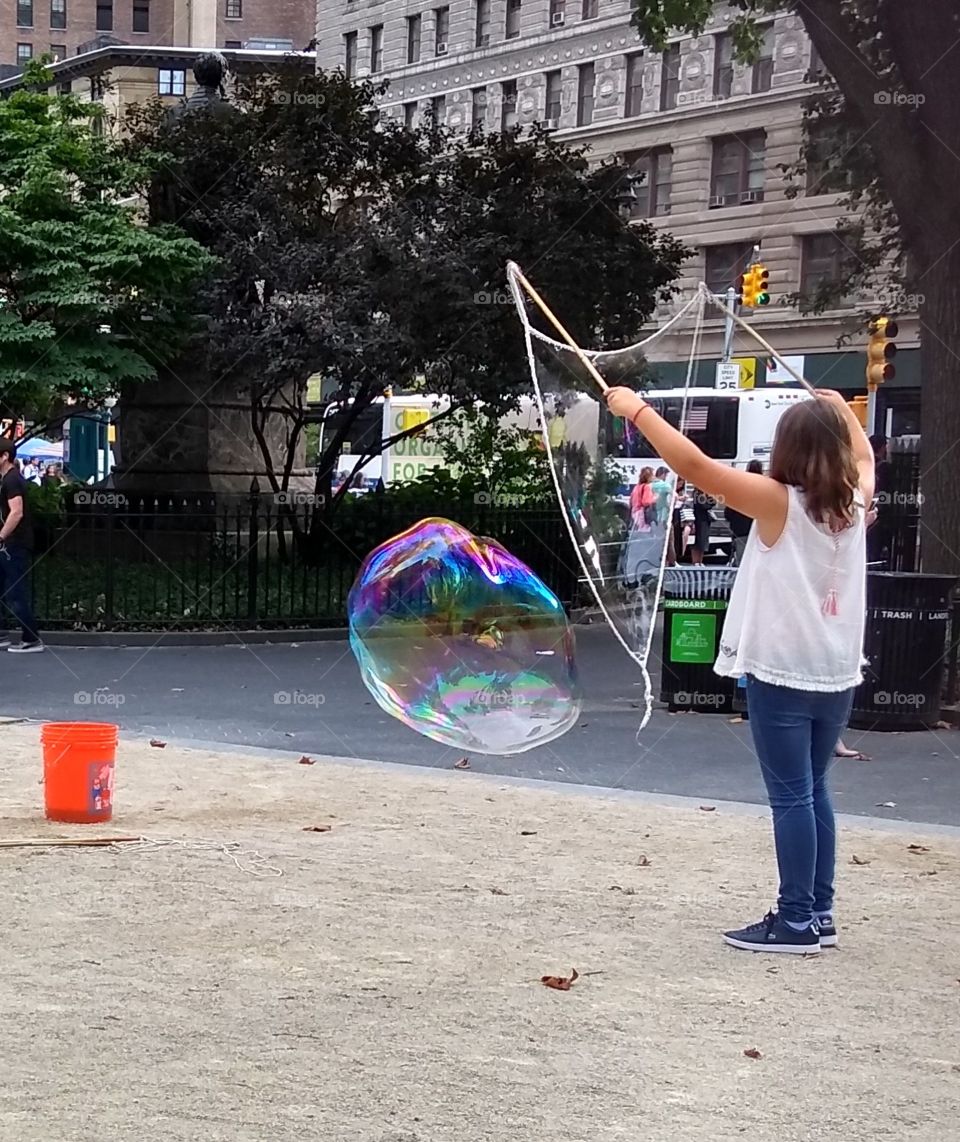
x=78, y=761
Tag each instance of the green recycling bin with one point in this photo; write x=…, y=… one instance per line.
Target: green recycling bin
x=694, y=607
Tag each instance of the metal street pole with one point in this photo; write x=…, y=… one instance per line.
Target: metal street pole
x=728, y=326
x=871, y=409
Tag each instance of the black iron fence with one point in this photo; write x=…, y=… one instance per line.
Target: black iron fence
x=184, y=563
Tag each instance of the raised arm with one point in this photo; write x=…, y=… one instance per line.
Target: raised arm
x=759, y=497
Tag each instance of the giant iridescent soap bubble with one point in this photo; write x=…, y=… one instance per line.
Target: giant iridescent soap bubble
x=461, y=641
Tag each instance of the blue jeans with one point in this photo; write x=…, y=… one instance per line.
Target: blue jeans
x=15, y=588
x=795, y=733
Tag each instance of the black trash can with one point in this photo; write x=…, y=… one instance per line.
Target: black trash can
x=694, y=607
x=908, y=616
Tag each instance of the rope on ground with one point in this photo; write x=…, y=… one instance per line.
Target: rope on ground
x=249, y=861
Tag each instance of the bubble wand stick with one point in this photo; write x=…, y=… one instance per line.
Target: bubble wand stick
x=515, y=272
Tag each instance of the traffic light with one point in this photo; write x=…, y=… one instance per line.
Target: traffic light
x=741, y=288
x=881, y=350
x=761, y=285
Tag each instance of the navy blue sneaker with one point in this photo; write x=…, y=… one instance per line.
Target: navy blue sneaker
x=774, y=935
x=828, y=932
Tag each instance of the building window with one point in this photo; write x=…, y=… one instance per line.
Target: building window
x=670, y=78
x=350, y=54
x=478, y=116
x=441, y=30
x=24, y=52
x=508, y=108
x=513, y=19
x=141, y=15
x=652, y=171
x=233, y=44
x=483, y=23
x=414, y=30
x=24, y=13
x=558, y=13
x=634, y=103
x=823, y=156
x=725, y=264
x=58, y=51
x=438, y=109
x=763, y=68
x=552, y=108
x=723, y=65
x=58, y=13
x=171, y=82
x=410, y=115
x=823, y=263
x=586, y=84
x=104, y=15
x=590, y=8
x=738, y=173
x=376, y=49
x=234, y=9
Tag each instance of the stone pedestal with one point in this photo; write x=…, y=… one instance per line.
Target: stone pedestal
x=184, y=433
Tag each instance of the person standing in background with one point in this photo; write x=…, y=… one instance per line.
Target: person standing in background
x=878, y=536
x=702, y=521
x=740, y=524
x=16, y=548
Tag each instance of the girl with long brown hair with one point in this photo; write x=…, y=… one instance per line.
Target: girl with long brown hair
x=794, y=627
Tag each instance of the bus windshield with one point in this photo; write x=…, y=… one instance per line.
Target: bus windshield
x=710, y=422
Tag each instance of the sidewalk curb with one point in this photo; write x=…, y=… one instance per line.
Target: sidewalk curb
x=893, y=825
x=94, y=639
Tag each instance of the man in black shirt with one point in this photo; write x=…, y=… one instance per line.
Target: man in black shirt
x=16, y=547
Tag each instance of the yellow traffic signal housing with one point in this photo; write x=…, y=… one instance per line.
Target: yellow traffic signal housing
x=761, y=285
x=881, y=350
x=859, y=406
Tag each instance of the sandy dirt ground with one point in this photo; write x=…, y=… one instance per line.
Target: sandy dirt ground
x=386, y=986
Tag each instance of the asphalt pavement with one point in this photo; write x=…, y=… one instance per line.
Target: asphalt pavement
x=228, y=694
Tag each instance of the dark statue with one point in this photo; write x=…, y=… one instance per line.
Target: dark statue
x=209, y=96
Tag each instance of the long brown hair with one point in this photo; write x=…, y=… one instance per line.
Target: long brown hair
x=813, y=451
x=646, y=476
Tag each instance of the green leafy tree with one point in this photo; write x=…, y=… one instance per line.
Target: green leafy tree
x=90, y=298
x=374, y=255
x=893, y=111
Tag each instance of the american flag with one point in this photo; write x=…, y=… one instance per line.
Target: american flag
x=695, y=419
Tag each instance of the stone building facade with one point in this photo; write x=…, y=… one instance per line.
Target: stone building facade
x=63, y=28
x=710, y=135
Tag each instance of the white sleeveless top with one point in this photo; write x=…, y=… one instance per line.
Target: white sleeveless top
x=779, y=626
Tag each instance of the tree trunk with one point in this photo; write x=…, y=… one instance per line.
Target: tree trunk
x=940, y=407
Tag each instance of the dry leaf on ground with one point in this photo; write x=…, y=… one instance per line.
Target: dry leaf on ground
x=463, y=763
x=858, y=860
x=317, y=828
x=528, y=832
x=886, y=804
x=307, y=760
x=499, y=892
x=918, y=848
x=752, y=1053
x=643, y=860
x=157, y=743
x=560, y=982
x=708, y=808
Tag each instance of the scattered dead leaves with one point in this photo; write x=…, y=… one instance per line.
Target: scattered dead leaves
x=918, y=848
x=708, y=808
x=929, y=872
x=528, y=832
x=307, y=760
x=854, y=859
x=560, y=982
x=157, y=743
x=499, y=892
x=463, y=763
x=317, y=828
x=752, y=1053
x=643, y=860
x=625, y=891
